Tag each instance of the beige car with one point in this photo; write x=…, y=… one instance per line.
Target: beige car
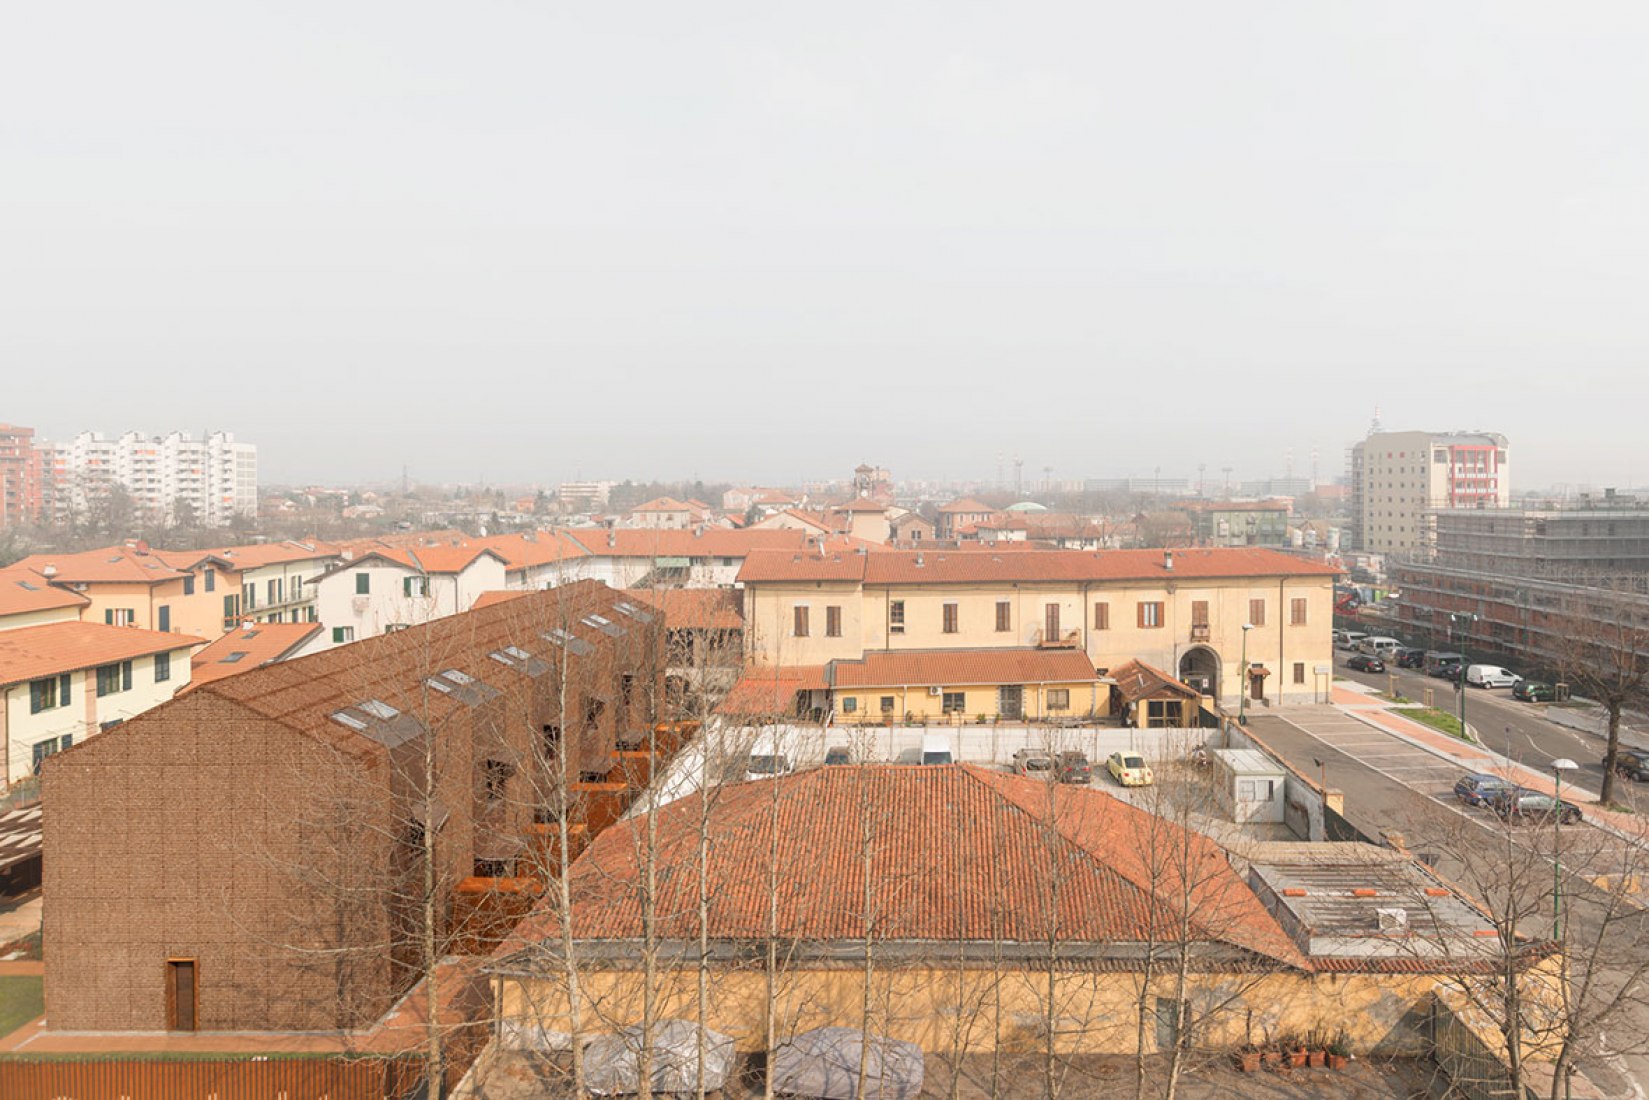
x=1129, y=769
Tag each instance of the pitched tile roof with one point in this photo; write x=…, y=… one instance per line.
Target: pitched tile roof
x=665, y=504
x=695, y=608
x=955, y=853
x=521, y=550
x=965, y=505
x=924, y=667
x=259, y=554
x=32, y=652
x=770, y=692
x=934, y=566
x=497, y=596
x=242, y=650
x=24, y=590
x=303, y=693
x=111, y=564
x=1137, y=680
x=439, y=558
x=641, y=542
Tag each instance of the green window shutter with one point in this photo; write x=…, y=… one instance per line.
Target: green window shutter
x=125, y=676
x=406, y=586
x=63, y=684
x=363, y=584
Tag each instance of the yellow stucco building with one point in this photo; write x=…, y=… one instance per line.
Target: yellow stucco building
x=1193, y=613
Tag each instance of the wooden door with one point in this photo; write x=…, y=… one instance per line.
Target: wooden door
x=182, y=995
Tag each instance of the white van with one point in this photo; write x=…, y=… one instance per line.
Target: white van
x=1380, y=646
x=1348, y=639
x=1490, y=676
x=936, y=749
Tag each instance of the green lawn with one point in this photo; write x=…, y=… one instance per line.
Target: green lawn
x=20, y=1001
x=1436, y=719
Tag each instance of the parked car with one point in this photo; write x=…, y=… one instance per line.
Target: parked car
x=936, y=749
x=1129, y=769
x=765, y=765
x=1037, y=762
x=1379, y=646
x=1490, y=676
x=1073, y=767
x=1408, y=657
x=837, y=755
x=1364, y=662
x=1475, y=790
x=1450, y=672
x=1633, y=764
x=1519, y=804
x=1348, y=639
x=1533, y=691
x=1435, y=661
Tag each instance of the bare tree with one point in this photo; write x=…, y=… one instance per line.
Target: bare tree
x=1603, y=652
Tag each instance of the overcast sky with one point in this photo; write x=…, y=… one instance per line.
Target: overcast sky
x=761, y=241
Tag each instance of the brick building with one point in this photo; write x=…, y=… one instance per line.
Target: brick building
x=253, y=855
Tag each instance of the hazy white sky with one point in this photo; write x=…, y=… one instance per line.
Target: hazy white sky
x=765, y=241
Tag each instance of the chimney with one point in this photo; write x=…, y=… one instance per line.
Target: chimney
x=919, y=562
x=1168, y=560
x=49, y=572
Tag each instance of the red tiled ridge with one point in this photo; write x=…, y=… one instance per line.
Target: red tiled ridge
x=952, y=853
x=32, y=652
x=258, y=645
x=946, y=567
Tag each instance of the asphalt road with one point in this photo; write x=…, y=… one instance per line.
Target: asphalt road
x=1392, y=787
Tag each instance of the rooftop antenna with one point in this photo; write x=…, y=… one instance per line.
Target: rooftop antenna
x=1047, y=479
x=1202, y=468
x=1227, y=470
x=1374, y=428
x=1018, y=476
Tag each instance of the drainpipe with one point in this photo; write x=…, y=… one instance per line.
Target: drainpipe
x=1282, y=627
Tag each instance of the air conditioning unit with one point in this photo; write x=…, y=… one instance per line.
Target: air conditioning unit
x=1392, y=920
x=936, y=691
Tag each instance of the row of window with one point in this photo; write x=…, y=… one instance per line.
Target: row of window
x=274, y=591
x=1149, y=614
x=52, y=692
x=410, y=586
x=956, y=702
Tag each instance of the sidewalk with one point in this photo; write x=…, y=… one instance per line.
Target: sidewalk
x=1371, y=710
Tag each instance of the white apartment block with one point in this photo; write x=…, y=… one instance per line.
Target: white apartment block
x=216, y=476
x=1399, y=478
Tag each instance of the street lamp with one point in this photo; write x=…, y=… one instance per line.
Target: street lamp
x=1559, y=766
x=1242, y=679
x=1460, y=684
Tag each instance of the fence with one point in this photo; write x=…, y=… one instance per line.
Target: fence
x=1473, y=1070
x=210, y=1079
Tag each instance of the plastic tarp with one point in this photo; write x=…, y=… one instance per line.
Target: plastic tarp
x=825, y=1063
x=612, y=1063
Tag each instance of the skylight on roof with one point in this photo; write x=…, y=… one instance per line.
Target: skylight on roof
x=517, y=652
x=30, y=587
x=379, y=709
x=439, y=685
x=457, y=677
x=558, y=636
x=233, y=657
x=344, y=717
x=630, y=609
x=592, y=619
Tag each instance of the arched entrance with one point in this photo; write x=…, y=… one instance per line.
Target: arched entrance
x=1200, y=668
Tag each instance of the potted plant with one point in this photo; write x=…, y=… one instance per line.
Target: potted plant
x=1298, y=1055
x=1271, y=1059
x=1316, y=1049
x=1248, y=1060
x=1339, y=1051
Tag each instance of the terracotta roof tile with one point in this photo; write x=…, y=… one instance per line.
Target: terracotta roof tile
x=32, y=652
x=112, y=564
x=964, y=505
x=887, y=668
x=956, y=853
x=1136, y=680
x=696, y=608
x=242, y=650
x=945, y=566
x=24, y=590
x=770, y=692
x=640, y=542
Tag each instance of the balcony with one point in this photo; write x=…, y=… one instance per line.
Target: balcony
x=1059, y=639
x=1199, y=632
